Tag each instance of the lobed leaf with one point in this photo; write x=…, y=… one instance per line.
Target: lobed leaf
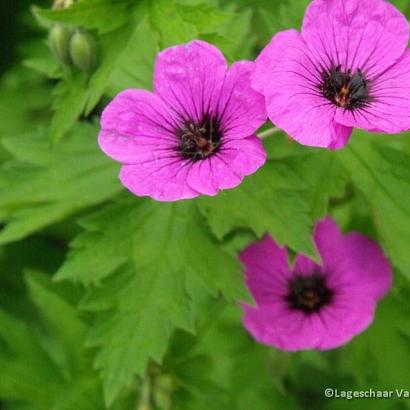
x=154, y=255
x=46, y=183
x=381, y=173
x=273, y=200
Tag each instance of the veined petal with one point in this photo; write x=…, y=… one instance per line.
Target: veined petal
x=290, y=78
x=227, y=168
x=137, y=126
x=164, y=179
x=389, y=109
x=369, y=35
x=189, y=78
x=240, y=108
x=266, y=269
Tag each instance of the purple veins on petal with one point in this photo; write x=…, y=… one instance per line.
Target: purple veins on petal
x=194, y=134
x=313, y=306
x=347, y=68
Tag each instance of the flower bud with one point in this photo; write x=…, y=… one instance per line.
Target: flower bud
x=59, y=40
x=83, y=50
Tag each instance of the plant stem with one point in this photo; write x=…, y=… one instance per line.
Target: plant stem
x=268, y=132
x=145, y=394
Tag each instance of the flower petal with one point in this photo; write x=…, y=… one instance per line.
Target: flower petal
x=163, y=179
x=245, y=156
x=227, y=168
x=137, y=126
x=389, y=111
x=288, y=78
x=371, y=268
x=354, y=264
x=344, y=319
x=211, y=175
x=305, y=266
x=273, y=324
x=369, y=35
x=266, y=269
x=189, y=78
x=241, y=108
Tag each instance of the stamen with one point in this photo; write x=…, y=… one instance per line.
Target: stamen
x=199, y=140
x=308, y=293
x=344, y=89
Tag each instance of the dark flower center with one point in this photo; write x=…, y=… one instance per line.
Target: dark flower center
x=308, y=293
x=199, y=140
x=345, y=89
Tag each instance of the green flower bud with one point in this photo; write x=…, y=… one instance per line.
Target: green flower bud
x=83, y=50
x=59, y=40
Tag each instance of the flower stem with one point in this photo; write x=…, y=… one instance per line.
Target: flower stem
x=268, y=132
x=145, y=394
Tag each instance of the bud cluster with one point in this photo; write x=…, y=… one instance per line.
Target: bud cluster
x=73, y=47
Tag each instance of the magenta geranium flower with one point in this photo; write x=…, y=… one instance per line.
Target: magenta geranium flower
x=349, y=67
x=194, y=134
x=313, y=306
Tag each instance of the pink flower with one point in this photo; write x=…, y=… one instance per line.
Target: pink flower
x=314, y=306
x=349, y=67
x=194, y=134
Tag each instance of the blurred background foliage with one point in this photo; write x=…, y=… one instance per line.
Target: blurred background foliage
x=100, y=305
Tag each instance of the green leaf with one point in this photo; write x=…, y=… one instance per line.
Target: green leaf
x=238, y=35
x=24, y=101
x=46, y=183
x=162, y=250
x=53, y=308
x=169, y=23
x=382, y=174
x=70, y=97
x=367, y=357
x=38, y=364
x=178, y=23
x=323, y=173
x=103, y=15
x=134, y=66
x=206, y=18
x=273, y=200
x=125, y=50
x=282, y=14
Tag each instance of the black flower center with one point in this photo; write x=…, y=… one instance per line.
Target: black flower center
x=308, y=293
x=345, y=89
x=199, y=140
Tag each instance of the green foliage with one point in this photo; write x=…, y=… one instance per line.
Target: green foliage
x=163, y=251
x=266, y=202
x=108, y=301
x=123, y=46
x=45, y=183
x=43, y=362
x=102, y=15
x=382, y=173
x=324, y=175
x=391, y=328
x=24, y=101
